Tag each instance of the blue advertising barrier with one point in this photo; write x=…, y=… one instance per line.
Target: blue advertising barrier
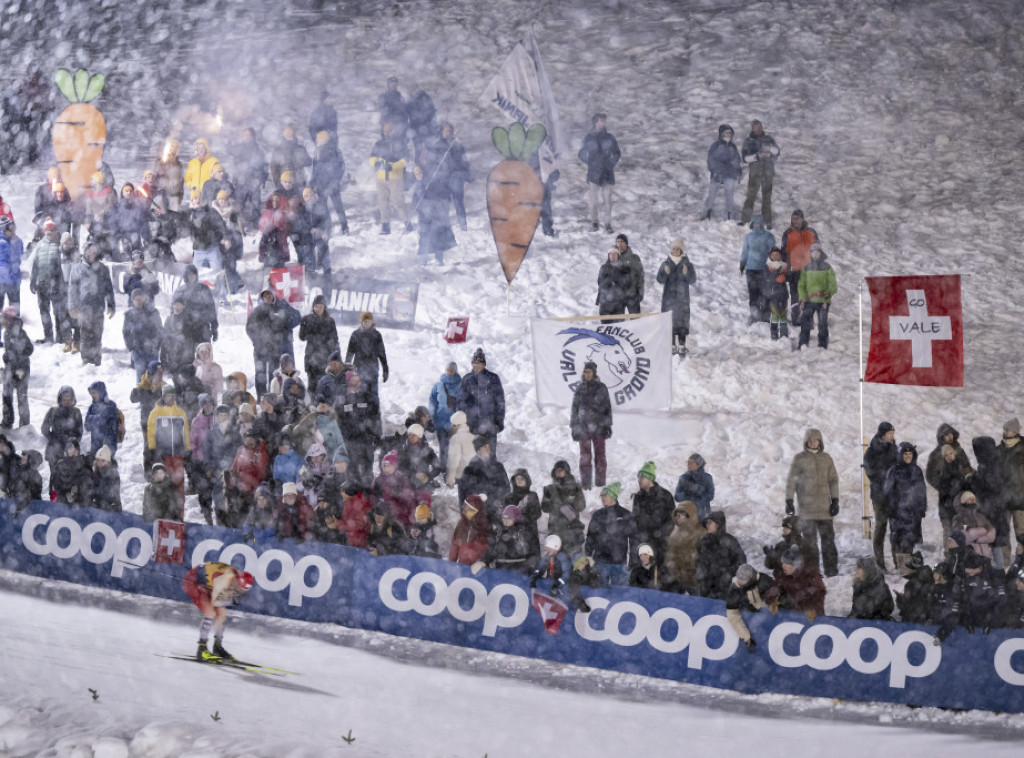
x=634, y=631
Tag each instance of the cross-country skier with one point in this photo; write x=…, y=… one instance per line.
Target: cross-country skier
x=212, y=587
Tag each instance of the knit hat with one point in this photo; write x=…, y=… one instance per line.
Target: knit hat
x=479, y=441
x=222, y=409
x=612, y=490
x=479, y=357
x=974, y=561
x=65, y=237
x=792, y=557
x=513, y=512
x=1013, y=427
x=885, y=427
x=417, y=430
x=289, y=488
x=965, y=494
x=798, y=213
x=459, y=417
x=648, y=471
x=474, y=503
x=287, y=176
x=152, y=367
x=390, y=459
x=698, y=459
x=591, y=365
x=104, y=454
x=745, y=574
x=157, y=467
x=169, y=389
x=245, y=408
x=645, y=549
x=422, y=511
x=49, y=224
x=679, y=244
x=790, y=522
x=564, y=465
x=553, y=542
x=622, y=237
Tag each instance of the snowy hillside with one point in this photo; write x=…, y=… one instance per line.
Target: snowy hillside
x=896, y=123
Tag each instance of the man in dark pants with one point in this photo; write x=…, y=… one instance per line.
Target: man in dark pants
x=590, y=421
x=759, y=153
x=90, y=289
x=815, y=483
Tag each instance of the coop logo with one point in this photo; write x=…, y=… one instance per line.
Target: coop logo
x=887, y=653
x=674, y=637
x=275, y=570
x=402, y=594
x=620, y=354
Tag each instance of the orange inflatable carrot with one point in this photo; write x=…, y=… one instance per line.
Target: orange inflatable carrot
x=80, y=132
x=514, y=194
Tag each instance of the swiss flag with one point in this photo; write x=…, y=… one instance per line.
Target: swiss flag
x=457, y=329
x=168, y=541
x=552, y=610
x=288, y=283
x=917, y=331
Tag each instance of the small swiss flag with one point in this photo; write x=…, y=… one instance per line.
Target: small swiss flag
x=457, y=329
x=168, y=541
x=288, y=283
x=552, y=610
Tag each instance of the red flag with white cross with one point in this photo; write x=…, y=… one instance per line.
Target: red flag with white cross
x=288, y=283
x=552, y=610
x=457, y=329
x=168, y=541
x=917, y=331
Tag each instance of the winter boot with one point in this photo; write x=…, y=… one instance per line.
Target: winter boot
x=75, y=348
x=220, y=652
x=608, y=229
x=202, y=654
x=775, y=331
x=385, y=228
x=595, y=227
x=784, y=329
x=67, y=346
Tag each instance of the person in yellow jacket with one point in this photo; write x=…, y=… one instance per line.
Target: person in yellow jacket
x=200, y=168
x=212, y=587
x=168, y=441
x=389, y=158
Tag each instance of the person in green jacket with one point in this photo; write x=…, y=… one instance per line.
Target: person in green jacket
x=816, y=288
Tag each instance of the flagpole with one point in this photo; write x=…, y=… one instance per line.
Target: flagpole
x=863, y=439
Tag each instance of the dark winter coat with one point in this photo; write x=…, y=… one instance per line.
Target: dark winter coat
x=18, y=349
x=933, y=471
x=698, y=486
x=724, y=159
x=200, y=309
x=915, y=600
x=147, y=394
x=489, y=478
x=289, y=156
x=675, y=297
x=72, y=480
x=614, y=282
x=358, y=416
x=529, y=506
x=878, y=459
x=432, y=200
x=176, y=349
x=944, y=606
x=601, y=153
x=512, y=549
x=397, y=493
x=871, y=596
x=482, y=399
x=387, y=539
x=906, y=500
x=647, y=577
x=591, y=412
x=320, y=333
x=418, y=458
x=90, y=286
x=269, y=327
x=102, y=419
x=365, y=351
x=762, y=149
x=802, y=591
x=294, y=521
x=981, y=599
x=611, y=535
x=1011, y=458
x=652, y=511
x=564, y=503
x=987, y=485
x=105, y=488
x=718, y=557
x=143, y=331
x=61, y=424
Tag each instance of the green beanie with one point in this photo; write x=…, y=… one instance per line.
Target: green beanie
x=612, y=491
x=648, y=471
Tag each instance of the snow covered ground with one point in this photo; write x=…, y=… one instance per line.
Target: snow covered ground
x=896, y=123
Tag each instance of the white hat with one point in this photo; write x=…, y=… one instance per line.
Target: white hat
x=289, y=488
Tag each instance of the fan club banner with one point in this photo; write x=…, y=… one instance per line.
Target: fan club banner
x=917, y=331
x=633, y=357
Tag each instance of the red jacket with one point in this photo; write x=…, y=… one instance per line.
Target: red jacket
x=355, y=520
x=803, y=591
x=252, y=466
x=796, y=246
x=395, y=490
x=469, y=542
x=294, y=521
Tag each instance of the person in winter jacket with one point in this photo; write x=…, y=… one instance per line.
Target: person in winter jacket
x=453, y=166
x=417, y=458
x=635, y=291
x=286, y=370
x=652, y=510
x=976, y=531
x=944, y=601
x=796, y=250
x=776, y=293
x=293, y=518
x=250, y=164
x=90, y=289
x=759, y=153
x=217, y=183
x=816, y=288
x=269, y=327
x=510, y=546
x=746, y=592
x=564, y=503
x=947, y=476
x=460, y=448
x=102, y=420
x=872, y=599
x=142, y=332
x=982, y=595
x=251, y=464
x=485, y=475
x=646, y=572
x=71, y=480
x=590, y=422
x=472, y=533
x=444, y=398
x=62, y=422
x=987, y=484
x=394, y=489
x=790, y=538
x=915, y=599
x=160, y=498
x=553, y=567
x=757, y=245
x=798, y=586
x=482, y=399
x=289, y=156
x=328, y=175
x=600, y=151
x=523, y=497
x=696, y=484
x=432, y=200
x=1011, y=459
x=287, y=462
x=208, y=371
x=11, y=251
x=719, y=555
x=200, y=168
x=200, y=308
x=880, y=456
x=176, y=349
x=359, y=419
x=386, y=535
x=613, y=285
x=681, y=549
x=814, y=481
x=906, y=503
x=388, y=158
x=220, y=445
x=25, y=483
x=612, y=538
x=17, y=367
x=320, y=333
x=676, y=273
x=726, y=169
x=168, y=440
x=46, y=281
x=355, y=515
x=105, y=488
x=365, y=351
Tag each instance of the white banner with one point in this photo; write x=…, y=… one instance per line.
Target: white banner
x=517, y=90
x=633, y=357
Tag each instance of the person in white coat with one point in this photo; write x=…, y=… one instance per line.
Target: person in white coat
x=460, y=448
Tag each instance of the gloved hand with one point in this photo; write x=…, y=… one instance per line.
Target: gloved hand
x=213, y=334
x=833, y=509
x=110, y=313
x=555, y=589
x=743, y=267
x=384, y=374
x=32, y=287
x=582, y=605
x=751, y=645
x=790, y=510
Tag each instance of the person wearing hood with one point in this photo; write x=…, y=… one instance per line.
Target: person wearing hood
x=269, y=327
x=746, y=593
x=142, y=331
x=987, y=484
x=613, y=285
x=676, y=273
x=286, y=370
x=18, y=349
x=915, y=599
x=25, y=483
x=816, y=289
x=564, y=503
x=753, y=263
x=355, y=514
x=790, y=538
x=872, y=599
x=719, y=555
x=460, y=448
x=814, y=482
x=208, y=371
x=652, y=510
x=880, y=456
x=612, y=538
x=635, y=291
x=1011, y=458
x=725, y=168
x=105, y=488
x=906, y=501
x=320, y=333
x=321, y=424
x=62, y=422
x=759, y=153
x=776, y=293
x=796, y=251
x=590, y=423
x=947, y=475
x=314, y=472
x=431, y=200
x=71, y=479
x=103, y=421
x=200, y=308
x=798, y=586
x=444, y=398
x=11, y=251
x=523, y=497
x=681, y=549
x=47, y=282
x=696, y=484
x=600, y=151
x=90, y=289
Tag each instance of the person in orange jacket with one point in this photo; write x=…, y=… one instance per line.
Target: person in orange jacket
x=796, y=250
